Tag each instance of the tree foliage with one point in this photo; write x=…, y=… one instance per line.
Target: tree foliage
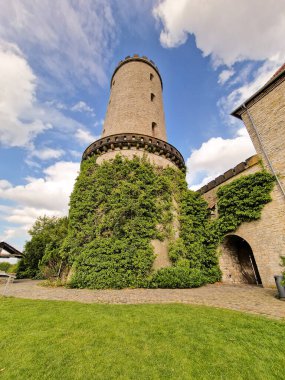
x=41, y=255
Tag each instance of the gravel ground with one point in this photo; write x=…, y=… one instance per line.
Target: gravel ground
x=246, y=298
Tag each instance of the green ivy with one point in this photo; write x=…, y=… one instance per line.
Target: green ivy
x=115, y=210
x=177, y=277
x=118, y=207
x=242, y=200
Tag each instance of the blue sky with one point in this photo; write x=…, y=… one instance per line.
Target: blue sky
x=56, y=60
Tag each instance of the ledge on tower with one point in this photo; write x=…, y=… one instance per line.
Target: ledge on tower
x=124, y=141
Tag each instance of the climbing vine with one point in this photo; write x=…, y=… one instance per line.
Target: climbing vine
x=242, y=200
x=115, y=211
x=119, y=207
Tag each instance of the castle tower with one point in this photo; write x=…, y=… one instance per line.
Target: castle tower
x=135, y=103
x=134, y=123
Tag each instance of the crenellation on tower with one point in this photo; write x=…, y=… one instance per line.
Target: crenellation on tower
x=135, y=58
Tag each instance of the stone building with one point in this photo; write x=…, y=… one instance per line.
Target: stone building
x=135, y=126
x=252, y=253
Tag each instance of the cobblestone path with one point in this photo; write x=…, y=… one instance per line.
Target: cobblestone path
x=246, y=298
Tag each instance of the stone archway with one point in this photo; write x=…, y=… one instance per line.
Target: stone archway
x=237, y=262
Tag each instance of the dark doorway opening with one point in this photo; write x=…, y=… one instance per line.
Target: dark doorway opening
x=238, y=262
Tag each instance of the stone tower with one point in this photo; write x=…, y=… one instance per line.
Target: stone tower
x=135, y=126
x=134, y=122
x=136, y=100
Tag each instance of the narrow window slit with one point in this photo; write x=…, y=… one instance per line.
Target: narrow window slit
x=153, y=128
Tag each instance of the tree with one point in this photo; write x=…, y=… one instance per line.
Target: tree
x=41, y=255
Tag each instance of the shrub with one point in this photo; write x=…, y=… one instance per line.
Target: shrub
x=177, y=277
x=5, y=266
x=13, y=268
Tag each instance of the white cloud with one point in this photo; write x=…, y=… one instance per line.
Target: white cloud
x=228, y=31
x=75, y=153
x=4, y=184
x=49, y=192
x=241, y=93
x=47, y=153
x=85, y=137
x=216, y=156
x=71, y=40
x=82, y=107
x=99, y=123
x=12, y=235
x=22, y=116
x=48, y=195
x=17, y=99
x=225, y=75
x=27, y=215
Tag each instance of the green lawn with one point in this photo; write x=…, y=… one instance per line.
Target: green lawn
x=66, y=340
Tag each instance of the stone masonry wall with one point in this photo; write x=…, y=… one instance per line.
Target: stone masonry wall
x=268, y=114
x=132, y=108
x=265, y=236
x=230, y=264
x=153, y=158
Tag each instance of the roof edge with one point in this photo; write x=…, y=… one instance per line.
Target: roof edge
x=12, y=250
x=275, y=80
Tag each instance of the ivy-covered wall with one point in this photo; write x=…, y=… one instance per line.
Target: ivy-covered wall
x=117, y=208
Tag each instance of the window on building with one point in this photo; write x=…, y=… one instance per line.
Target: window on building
x=152, y=96
x=153, y=128
x=151, y=76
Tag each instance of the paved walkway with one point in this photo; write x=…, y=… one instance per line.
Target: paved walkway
x=247, y=298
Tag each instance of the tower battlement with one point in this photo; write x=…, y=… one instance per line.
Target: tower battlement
x=135, y=58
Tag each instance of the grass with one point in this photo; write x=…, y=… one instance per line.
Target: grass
x=66, y=340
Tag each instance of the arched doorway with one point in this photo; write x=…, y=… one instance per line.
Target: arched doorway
x=237, y=262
